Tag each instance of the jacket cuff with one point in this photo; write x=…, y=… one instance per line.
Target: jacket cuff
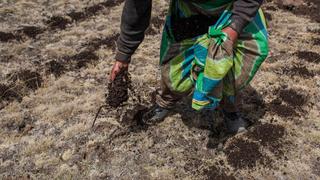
x=238, y=24
x=123, y=57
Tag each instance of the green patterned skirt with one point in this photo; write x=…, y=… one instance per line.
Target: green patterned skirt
x=194, y=52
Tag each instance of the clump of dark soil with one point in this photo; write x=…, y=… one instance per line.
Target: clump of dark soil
x=243, y=154
x=269, y=135
x=308, y=56
x=84, y=58
x=111, y=3
x=298, y=70
x=93, y=10
x=30, y=31
x=282, y=110
x=77, y=16
x=217, y=174
x=54, y=67
x=58, y=22
x=31, y=79
x=310, y=8
x=118, y=89
x=293, y=98
x=8, y=36
x=7, y=93
x=316, y=41
x=109, y=42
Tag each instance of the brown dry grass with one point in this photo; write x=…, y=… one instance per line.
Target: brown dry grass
x=47, y=135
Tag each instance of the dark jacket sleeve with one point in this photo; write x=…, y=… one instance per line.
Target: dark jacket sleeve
x=134, y=21
x=243, y=12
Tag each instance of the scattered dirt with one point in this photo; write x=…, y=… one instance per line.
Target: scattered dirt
x=271, y=136
x=58, y=22
x=111, y=3
x=243, y=154
x=217, y=174
x=298, y=70
x=8, y=93
x=309, y=56
x=30, y=31
x=83, y=58
x=77, y=16
x=293, y=98
x=282, y=110
x=310, y=8
x=93, y=10
x=316, y=166
x=54, y=67
x=316, y=41
x=8, y=36
x=31, y=79
x=109, y=42
x=118, y=89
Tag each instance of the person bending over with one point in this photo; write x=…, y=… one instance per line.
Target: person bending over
x=210, y=48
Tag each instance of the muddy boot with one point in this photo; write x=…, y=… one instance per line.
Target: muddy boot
x=234, y=122
x=155, y=115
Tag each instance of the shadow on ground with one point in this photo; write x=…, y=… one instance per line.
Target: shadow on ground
x=252, y=109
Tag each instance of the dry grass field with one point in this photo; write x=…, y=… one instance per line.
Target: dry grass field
x=55, y=57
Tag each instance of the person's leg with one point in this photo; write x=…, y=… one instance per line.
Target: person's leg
x=166, y=98
x=235, y=123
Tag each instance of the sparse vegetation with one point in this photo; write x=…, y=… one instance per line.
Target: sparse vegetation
x=55, y=57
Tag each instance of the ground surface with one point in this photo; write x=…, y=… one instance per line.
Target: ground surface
x=54, y=59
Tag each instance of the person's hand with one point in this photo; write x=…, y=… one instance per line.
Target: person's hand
x=118, y=66
x=232, y=34
x=232, y=39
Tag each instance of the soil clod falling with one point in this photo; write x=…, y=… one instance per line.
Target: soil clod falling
x=118, y=89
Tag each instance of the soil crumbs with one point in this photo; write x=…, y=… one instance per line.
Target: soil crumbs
x=217, y=174
x=58, y=22
x=309, y=56
x=242, y=154
x=298, y=70
x=8, y=36
x=293, y=98
x=271, y=136
x=118, y=89
x=30, y=31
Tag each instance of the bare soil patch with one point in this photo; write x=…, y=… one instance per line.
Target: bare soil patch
x=316, y=41
x=30, y=31
x=271, y=136
x=293, y=98
x=310, y=8
x=309, y=56
x=54, y=67
x=217, y=173
x=8, y=94
x=9, y=36
x=243, y=154
x=58, y=22
x=31, y=79
x=298, y=70
x=282, y=110
x=109, y=42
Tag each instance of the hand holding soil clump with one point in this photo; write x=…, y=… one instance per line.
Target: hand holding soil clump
x=118, y=89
